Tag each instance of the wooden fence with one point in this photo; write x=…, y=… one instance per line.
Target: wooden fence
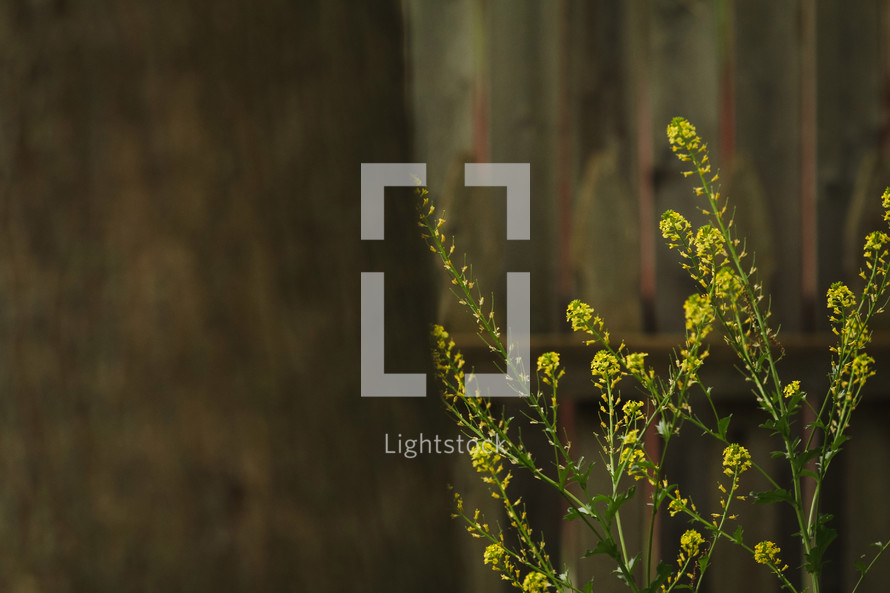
x=794, y=97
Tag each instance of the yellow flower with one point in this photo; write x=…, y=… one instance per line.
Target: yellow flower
x=766, y=552
x=690, y=542
x=579, y=314
x=874, y=241
x=840, y=297
x=708, y=241
x=631, y=411
x=792, y=389
x=675, y=229
x=493, y=554
x=605, y=365
x=682, y=135
x=678, y=505
x=449, y=361
x=885, y=202
x=635, y=363
x=728, y=285
x=548, y=363
x=860, y=368
x=699, y=312
x=535, y=582
x=485, y=457
x=736, y=459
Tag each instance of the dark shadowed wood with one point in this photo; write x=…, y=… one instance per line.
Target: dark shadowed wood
x=179, y=273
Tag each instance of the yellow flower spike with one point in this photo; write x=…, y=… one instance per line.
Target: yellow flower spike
x=736, y=459
x=548, y=363
x=579, y=314
x=699, y=313
x=791, y=389
x=766, y=552
x=682, y=135
x=678, y=504
x=494, y=555
x=690, y=542
x=535, y=582
x=485, y=458
x=605, y=366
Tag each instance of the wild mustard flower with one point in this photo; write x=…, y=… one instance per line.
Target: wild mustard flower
x=885, y=203
x=736, y=460
x=791, y=389
x=699, y=314
x=605, y=367
x=766, y=552
x=579, y=315
x=683, y=138
x=874, y=242
x=676, y=230
x=860, y=369
x=547, y=364
x=631, y=410
x=633, y=458
x=728, y=285
x=535, y=582
x=635, y=362
x=729, y=300
x=485, y=458
x=690, y=542
x=678, y=504
x=708, y=245
x=840, y=298
x=448, y=360
x=496, y=555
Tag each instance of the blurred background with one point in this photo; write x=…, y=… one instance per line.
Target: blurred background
x=180, y=260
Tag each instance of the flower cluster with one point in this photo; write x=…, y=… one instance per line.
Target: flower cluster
x=736, y=460
x=885, y=203
x=448, y=361
x=840, y=298
x=730, y=300
x=486, y=458
x=690, y=543
x=582, y=318
x=683, y=138
x=766, y=552
x=535, y=582
x=699, y=315
x=792, y=388
x=605, y=368
x=548, y=363
x=679, y=504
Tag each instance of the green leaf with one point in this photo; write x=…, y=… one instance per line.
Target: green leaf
x=619, y=499
x=771, y=496
x=801, y=459
x=574, y=513
x=628, y=578
x=723, y=425
x=737, y=536
x=661, y=494
x=822, y=537
x=604, y=546
x=704, y=562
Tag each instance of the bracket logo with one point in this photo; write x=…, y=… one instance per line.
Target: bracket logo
x=375, y=381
